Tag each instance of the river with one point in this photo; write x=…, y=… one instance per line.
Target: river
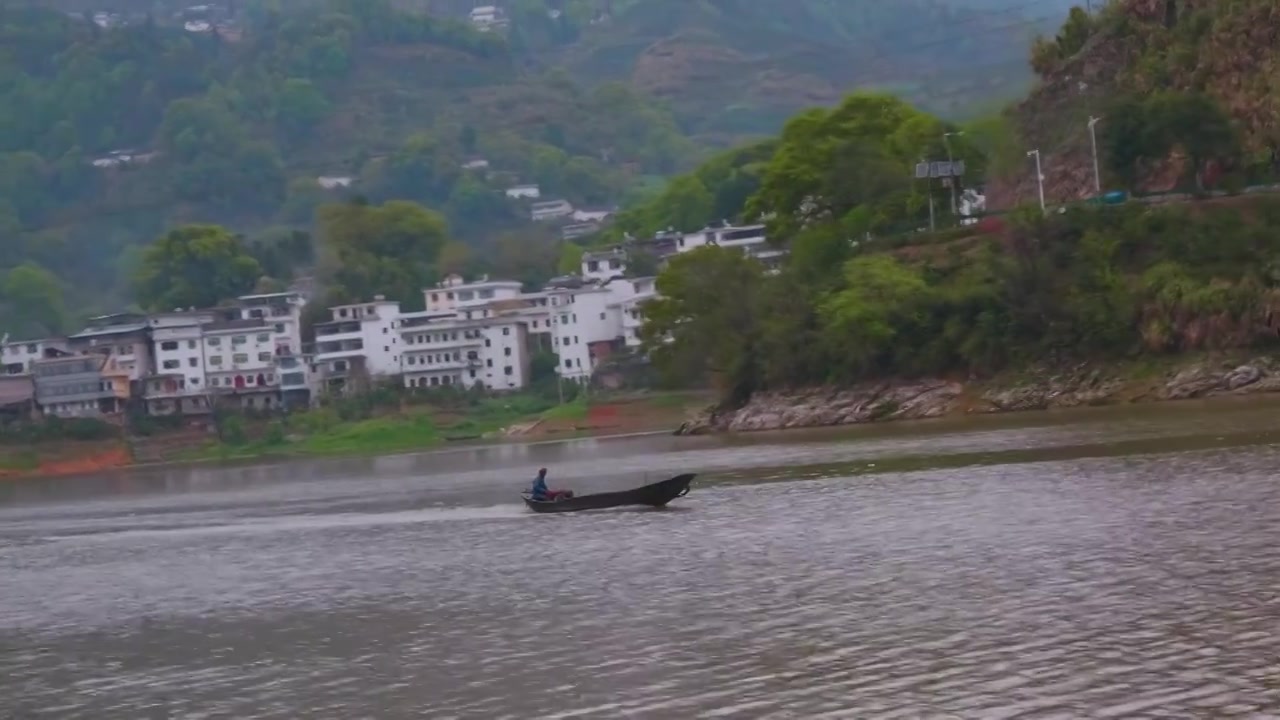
x=1097, y=563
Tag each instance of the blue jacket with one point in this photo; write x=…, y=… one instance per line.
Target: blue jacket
x=540, y=489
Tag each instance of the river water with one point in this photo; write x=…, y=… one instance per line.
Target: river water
x=1093, y=564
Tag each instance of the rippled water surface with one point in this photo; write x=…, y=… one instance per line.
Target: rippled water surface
x=1090, y=565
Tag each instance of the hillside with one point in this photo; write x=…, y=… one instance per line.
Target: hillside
x=1142, y=51
x=118, y=125
x=735, y=67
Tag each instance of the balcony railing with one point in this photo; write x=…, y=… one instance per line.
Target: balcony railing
x=339, y=328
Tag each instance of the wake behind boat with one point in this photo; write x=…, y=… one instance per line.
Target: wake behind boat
x=653, y=495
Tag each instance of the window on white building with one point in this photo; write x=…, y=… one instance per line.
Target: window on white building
x=240, y=358
x=169, y=345
x=488, y=362
x=193, y=362
x=171, y=364
x=264, y=357
x=506, y=370
x=215, y=359
x=215, y=342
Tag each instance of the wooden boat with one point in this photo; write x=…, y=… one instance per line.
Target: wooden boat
x=653, y=495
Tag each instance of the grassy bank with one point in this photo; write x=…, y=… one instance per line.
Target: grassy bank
x=324, y=432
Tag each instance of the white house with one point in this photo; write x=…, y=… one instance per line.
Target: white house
x=603, y=265
x=550, y=210
x=488, y=17
x=335, y=182
x=177, y=382
x=524, y=192
x=454, y=293
x=240, y=363
x=444, y=350
x=16, y=356
x=600, y=318
x=632, y=309
x=361, y=338
x=123, y=337
x=592, y=216
x=282, y=312
x=473, y=333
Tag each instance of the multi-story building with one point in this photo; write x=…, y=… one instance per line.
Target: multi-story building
x=16, y=356
x=550, y=210
x=240, y=364
x=598, y=317
x=479, y=333
x=361, y=342
x=123, y=337
x=603, y=265
x=283, y=314
x=76, y=386
x=632, y=309
x=177, y=382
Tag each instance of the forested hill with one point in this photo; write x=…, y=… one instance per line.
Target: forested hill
x=117, y=124
x=742, y=66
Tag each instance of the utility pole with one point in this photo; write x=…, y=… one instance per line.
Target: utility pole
x=1093, y=140
x=946, y=140
x=1039, y=179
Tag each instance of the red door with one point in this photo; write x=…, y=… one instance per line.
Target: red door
x=239, y=382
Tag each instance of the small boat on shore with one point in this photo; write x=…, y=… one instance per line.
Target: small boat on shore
x=654, y=495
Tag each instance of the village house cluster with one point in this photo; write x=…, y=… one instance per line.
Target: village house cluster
x=250, y=353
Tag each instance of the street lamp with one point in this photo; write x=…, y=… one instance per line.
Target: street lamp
x=1093, y=139
x=1039, y=177
x=946, y=140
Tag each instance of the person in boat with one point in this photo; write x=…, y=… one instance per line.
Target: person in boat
x=540, y=491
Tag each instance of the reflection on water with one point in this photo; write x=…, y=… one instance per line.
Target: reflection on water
x=1094, y=565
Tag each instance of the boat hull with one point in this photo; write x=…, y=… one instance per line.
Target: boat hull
x=655, y=495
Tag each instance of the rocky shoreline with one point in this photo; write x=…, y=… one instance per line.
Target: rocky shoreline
x=1081, y=385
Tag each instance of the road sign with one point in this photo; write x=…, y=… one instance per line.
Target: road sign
x=940, y=169
x=957, y=168
x=922, y=170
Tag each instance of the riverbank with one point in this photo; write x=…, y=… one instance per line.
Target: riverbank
x=322, y=433
x=1085, y=384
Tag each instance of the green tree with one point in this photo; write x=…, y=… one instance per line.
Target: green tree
x=570, y=262
x=706, y=319
x=195, y=266
x=300, y=105
x=829, y=163
x=879, y=301
x=35, y=300
x=389, y=250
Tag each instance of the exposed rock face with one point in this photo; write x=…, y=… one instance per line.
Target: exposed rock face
x=902, y=400
x=1235, y=51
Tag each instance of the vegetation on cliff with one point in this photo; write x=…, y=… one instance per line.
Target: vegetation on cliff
x=857, y=299
x=1194, y=62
